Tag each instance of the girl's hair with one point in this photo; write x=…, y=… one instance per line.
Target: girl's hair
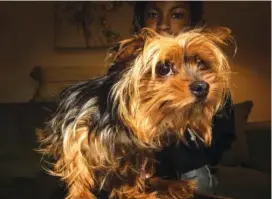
x=196, y=9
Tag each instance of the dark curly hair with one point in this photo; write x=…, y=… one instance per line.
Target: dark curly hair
x=196, y=8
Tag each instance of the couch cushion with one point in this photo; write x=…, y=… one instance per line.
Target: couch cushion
x=238, y=153
x=259, y=145
x=242, y=183
x=11, y=145
x=18, y=139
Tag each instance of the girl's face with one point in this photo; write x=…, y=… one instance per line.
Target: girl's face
x=167, y=17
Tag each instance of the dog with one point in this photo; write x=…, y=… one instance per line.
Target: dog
x=105, y=132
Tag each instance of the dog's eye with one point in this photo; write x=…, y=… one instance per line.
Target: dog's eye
x=200, y=64
x=164, y=69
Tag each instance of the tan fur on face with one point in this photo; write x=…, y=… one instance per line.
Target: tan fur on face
x=145, y=112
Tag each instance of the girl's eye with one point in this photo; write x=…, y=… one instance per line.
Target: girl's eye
x=177, y=15
x=164, y=69
x=153, y=15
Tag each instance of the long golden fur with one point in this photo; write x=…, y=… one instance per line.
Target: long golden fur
x=105, y=131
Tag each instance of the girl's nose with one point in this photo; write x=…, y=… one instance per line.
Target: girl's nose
x=163, y=24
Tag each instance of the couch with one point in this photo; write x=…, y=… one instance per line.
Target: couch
x=243, y=171
x=250, y=179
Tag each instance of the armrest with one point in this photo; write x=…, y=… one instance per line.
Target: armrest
x=259, y=145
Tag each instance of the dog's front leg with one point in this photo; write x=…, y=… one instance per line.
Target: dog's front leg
x=168, y=189
x=136, y=191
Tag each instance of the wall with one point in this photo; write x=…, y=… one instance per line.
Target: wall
x=27, y=40
x=250, y=23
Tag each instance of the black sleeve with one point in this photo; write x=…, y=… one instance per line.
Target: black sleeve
x=183, y=158
x=223, y=132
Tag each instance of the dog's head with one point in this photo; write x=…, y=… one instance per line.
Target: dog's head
x=168, y=84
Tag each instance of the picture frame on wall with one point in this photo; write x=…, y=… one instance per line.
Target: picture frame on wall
x=92, y=24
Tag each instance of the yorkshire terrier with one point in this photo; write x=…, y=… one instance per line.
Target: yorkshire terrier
x=106, y=131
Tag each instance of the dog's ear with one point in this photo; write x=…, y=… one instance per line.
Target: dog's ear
x=222, y=33
x=219, y=34
x=223, y=37
x=128, y=49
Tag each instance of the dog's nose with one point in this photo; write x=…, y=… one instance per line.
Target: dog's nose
x=199, y=88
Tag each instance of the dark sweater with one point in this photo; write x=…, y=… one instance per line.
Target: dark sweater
x=184, y=158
